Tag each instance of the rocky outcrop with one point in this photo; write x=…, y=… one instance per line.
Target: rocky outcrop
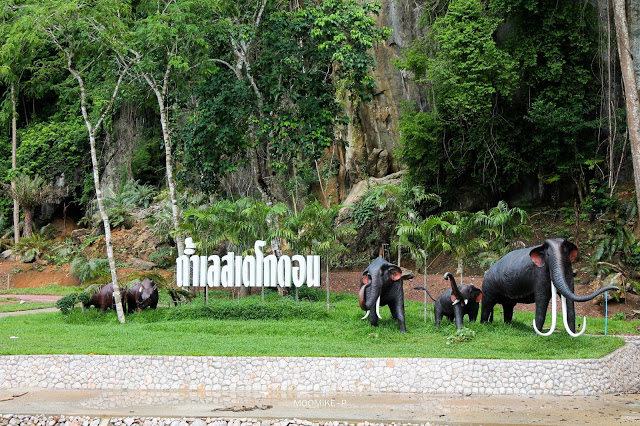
x=372, y=135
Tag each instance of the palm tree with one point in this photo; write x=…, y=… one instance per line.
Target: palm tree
x=323, y=236
x=423, y=237
x=463, y=235
x=505, y=225
x=31, y=192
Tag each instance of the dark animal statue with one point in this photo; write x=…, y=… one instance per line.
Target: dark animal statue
x=381, y=285
x=527, y=275
x=458, y=302
x=142, y=295
x=104, y=299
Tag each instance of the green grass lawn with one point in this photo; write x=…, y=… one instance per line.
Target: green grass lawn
x=288, y=328
x=16, y=306
x=53, y=290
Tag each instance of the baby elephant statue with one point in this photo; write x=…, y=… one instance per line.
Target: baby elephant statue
x=104, y=299
x=142, y=295
x=380, y=285
x=458, y=302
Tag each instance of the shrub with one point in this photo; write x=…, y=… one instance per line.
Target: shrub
x=463, y=335
x=249, y=309
x=69, y=301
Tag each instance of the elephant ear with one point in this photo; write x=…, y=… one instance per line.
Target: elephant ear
x=395, y=273
x=572, y=249
x=479, y=297
x=365, y=279
x=537, y=255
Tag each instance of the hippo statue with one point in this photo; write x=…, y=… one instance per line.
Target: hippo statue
x=142, y=295
x=104, y=299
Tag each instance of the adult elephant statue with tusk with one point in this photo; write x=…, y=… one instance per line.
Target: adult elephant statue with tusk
x=380, y=285
x=534, y=275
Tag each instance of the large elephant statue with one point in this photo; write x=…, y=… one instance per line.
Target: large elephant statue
x=142, y=295
x=380, y=285
x=533, y=275
x=457, y=302
x=104, y=299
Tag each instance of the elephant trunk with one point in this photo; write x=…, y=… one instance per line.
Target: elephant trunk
x=454, y=289
x=558, y=277
x=371, y=300
x=362, y=298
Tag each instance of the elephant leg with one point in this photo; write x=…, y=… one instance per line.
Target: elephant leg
x=437, y=313
x=571, y=315
x=507, y=309
x=397, y=311
x=486, y=313
x=541, y=312
x=473, y=313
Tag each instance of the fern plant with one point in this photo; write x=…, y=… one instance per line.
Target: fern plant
x=90, y=270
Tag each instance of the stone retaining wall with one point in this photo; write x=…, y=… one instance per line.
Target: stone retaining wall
x=615, y=373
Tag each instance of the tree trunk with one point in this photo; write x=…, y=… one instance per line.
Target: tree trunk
x=630, y=88
x=96, y=180
x=107, y=226
x=14, y=163
x=166, y=136
x=27, y=229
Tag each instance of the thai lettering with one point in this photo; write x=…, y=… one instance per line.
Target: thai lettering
x=233, y=270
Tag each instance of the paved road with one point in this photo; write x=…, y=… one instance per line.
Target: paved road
x=31, y=298
x=396, y=408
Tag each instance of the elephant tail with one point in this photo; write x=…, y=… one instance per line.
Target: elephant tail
x=426, y=291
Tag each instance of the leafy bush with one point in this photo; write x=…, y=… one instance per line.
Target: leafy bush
x=621, y=316
x=249, y=309
x=33, y=248
x=88, y=270
x=463, y=335
x=164, y=257
x=70, y=300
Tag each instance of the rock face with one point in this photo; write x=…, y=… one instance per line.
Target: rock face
x=372, y=135
x=120, y=145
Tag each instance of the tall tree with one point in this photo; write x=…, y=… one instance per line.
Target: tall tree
x=169, y=46
x=289, y=64
x=19, y=46
x=83, y=33
x=630, y=89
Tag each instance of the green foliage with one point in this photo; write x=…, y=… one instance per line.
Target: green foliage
x=33, y=248
x=620, y=316
x=164, y=257
x=283, y=98
x=383, y=206
x=315, y=332
x=461, y=336
x=511, y=92
x=119, y=206
x=89, y=270
x=54, y=148
x=249, y=309
x=69, y=301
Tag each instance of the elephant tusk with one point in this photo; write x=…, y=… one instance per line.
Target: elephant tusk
x=377, y=310
x=553, y=313
x=564, y=319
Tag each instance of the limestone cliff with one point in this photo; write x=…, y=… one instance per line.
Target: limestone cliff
x=372, y=135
